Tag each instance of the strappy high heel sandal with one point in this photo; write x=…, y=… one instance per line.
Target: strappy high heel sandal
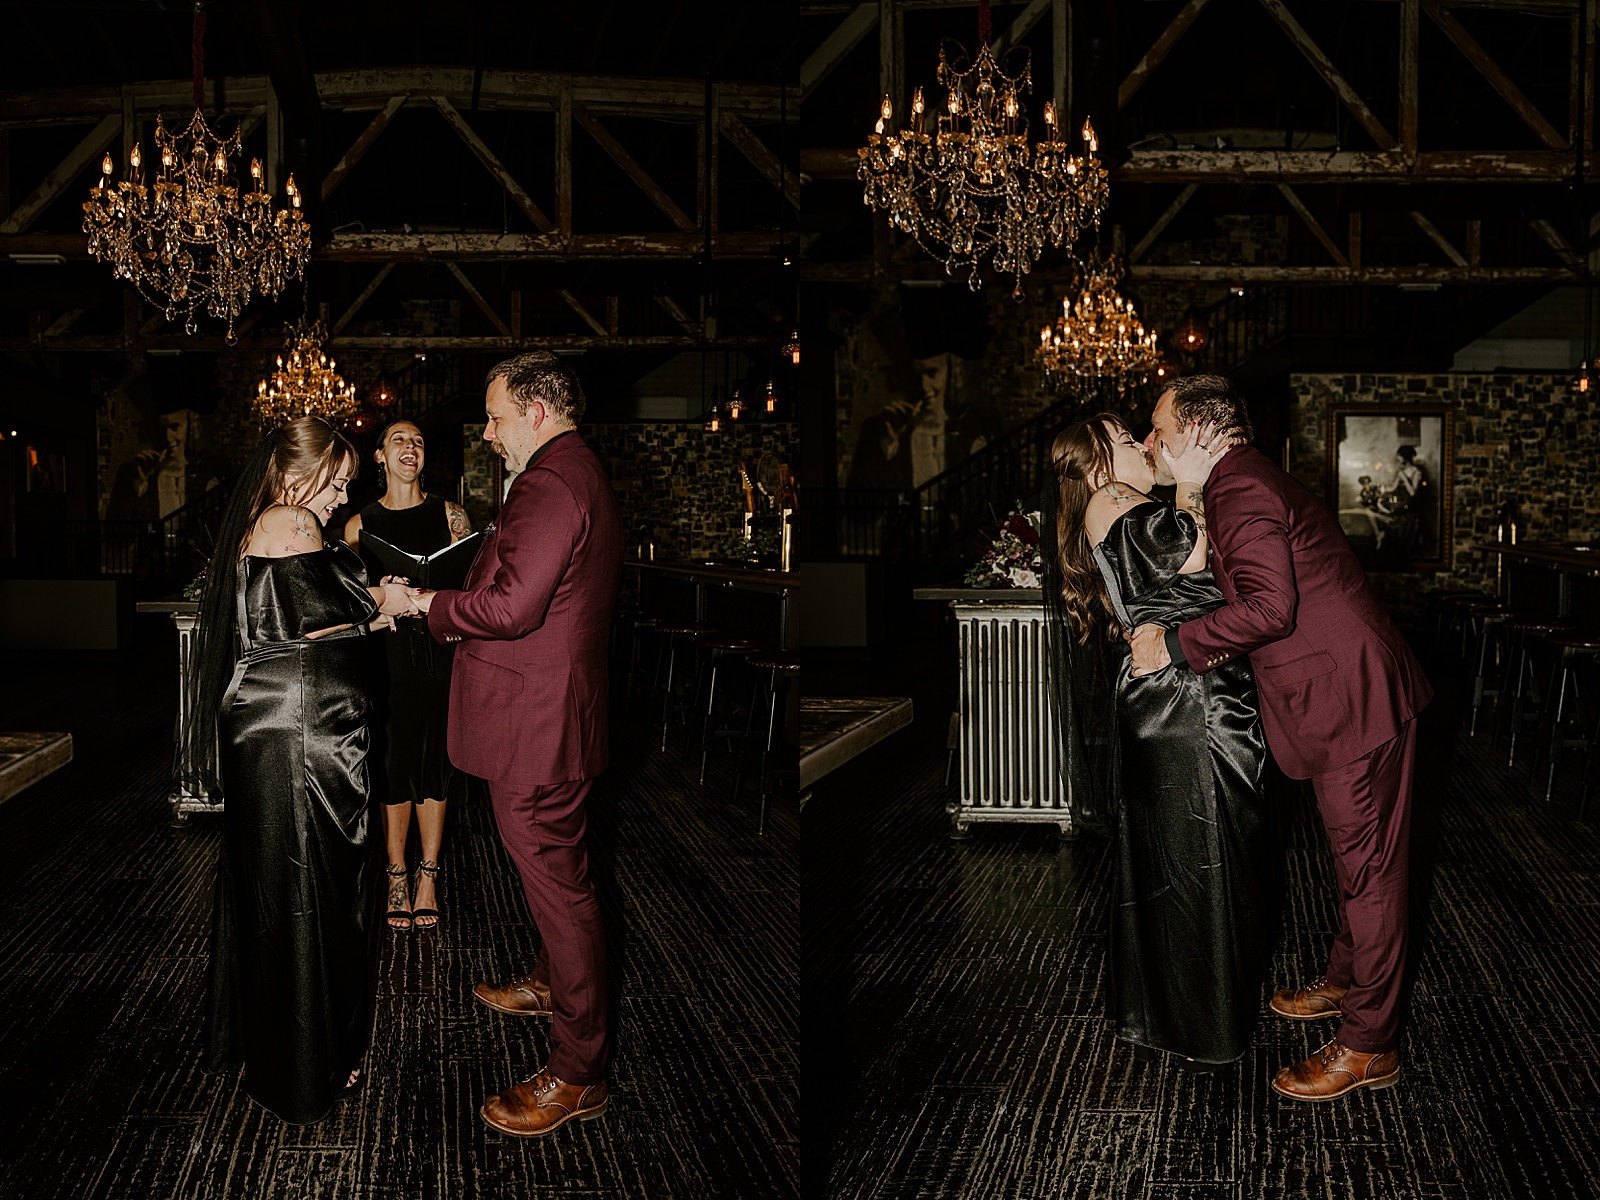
x=397, y=895
x=431, y=870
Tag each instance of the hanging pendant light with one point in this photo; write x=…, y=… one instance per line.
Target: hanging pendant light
x=1192, y=333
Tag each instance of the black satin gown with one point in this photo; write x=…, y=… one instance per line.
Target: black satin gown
x=293, y=951
x=1189, y=920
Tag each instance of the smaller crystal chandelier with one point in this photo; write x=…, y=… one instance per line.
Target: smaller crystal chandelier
x=1098, y=334
x=973, y=187
x=189, y=241
x=305, y=383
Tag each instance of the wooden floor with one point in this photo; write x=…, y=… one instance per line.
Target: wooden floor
x=104, y=911
x=954, y=1043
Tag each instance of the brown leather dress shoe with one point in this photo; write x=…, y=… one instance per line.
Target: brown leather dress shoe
x=542, y=1104
x=525, y=997
x=1320, y=999
x=1335, y=1070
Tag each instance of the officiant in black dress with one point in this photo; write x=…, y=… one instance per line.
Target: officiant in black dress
x=410, y=520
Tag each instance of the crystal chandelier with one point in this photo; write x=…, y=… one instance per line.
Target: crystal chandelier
x=189, y=241
x=967, y=184
x=1098, y=334
x=305, y=383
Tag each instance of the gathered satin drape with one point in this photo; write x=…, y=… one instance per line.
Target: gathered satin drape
x=293, y=951
x=1189, y=922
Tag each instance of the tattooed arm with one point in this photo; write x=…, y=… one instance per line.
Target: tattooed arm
x=1191, y=460
x=460, y=527
x=284, y=530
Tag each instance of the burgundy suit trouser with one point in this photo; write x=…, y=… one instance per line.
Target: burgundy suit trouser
x=1366, y=809
x=543, y=830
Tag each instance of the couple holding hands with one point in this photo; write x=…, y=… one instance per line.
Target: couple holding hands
x=279, y=695
x=1251, y=625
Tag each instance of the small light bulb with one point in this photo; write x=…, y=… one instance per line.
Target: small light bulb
x=888, y=109
x=1050, y=114
x=878, y=128
x=1088, y=136
x=222, y=160
x=955, y=102
x=916, y=103
x=255, y=169
x=1011, y=104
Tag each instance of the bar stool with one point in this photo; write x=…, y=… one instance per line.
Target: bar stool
x=1439, y=604
x=642, y=627
x=1525, y=634
x=772, y=672
x=675, y=635
x=721, y=646
x=1460, y=612
x=1572, y=649
x=1483, y=622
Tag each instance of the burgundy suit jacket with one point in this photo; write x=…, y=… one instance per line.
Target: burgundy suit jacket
x=1335, y=677
x=528, y=694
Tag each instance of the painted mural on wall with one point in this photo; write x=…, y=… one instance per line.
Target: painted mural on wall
x=1519, y=437
x=911, y=380
x=156, y=455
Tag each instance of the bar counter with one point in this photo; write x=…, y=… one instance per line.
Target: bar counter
x=1562, y=559
x=709, y=578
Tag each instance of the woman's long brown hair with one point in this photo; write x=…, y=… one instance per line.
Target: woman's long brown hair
x=307, y=450
x=1080, y=453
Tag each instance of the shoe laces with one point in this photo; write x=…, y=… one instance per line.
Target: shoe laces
x=542, y=1081
x=1331, y=1051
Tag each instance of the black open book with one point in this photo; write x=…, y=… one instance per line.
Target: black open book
x=445, y=568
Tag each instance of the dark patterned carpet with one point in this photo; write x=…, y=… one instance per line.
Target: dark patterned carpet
x=104, y=910
x=953, y=1035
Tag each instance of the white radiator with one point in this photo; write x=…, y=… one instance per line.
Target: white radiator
x=1008, y=744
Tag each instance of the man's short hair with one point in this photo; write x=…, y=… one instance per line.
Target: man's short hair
x=1202, y=399
x=539, y=375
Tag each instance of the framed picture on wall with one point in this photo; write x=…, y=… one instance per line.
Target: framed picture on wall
x=1389, y=477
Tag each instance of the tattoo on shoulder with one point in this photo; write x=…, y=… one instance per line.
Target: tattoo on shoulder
x=1123, y=494
x=302, y=523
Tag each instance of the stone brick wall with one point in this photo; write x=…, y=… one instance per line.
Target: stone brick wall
x=683, y=481
x=1520, y=437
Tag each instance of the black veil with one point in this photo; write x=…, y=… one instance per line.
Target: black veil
x=216, y=647
x=1082, y=678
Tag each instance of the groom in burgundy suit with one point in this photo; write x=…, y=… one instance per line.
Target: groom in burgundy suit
x=1339, y=691
x=528, y=714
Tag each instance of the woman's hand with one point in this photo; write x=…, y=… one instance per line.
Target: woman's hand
x=1198, y=449
x=379, y=624
x=400, y=579
x=423, y=600
x=397, y=600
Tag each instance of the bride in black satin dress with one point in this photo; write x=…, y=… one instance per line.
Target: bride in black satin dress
x=293, y=952
x=1175, y=765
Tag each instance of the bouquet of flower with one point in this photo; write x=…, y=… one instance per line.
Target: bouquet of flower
x=196, y=587
x=1012, y=559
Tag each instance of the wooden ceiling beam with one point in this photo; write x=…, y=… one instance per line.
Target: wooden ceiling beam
x=66, y=172
x=763, y=159
x=1311, y=223
x=118, y=344
x=1145, y=67
x=372, y=89
x=1324, y=67
x=836, y=47
x=1162, y=222
x=490, y=160
x=1498, y=79
x=630, y=166
x=352, y=156
x=472, y=247
x=1437, y=238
